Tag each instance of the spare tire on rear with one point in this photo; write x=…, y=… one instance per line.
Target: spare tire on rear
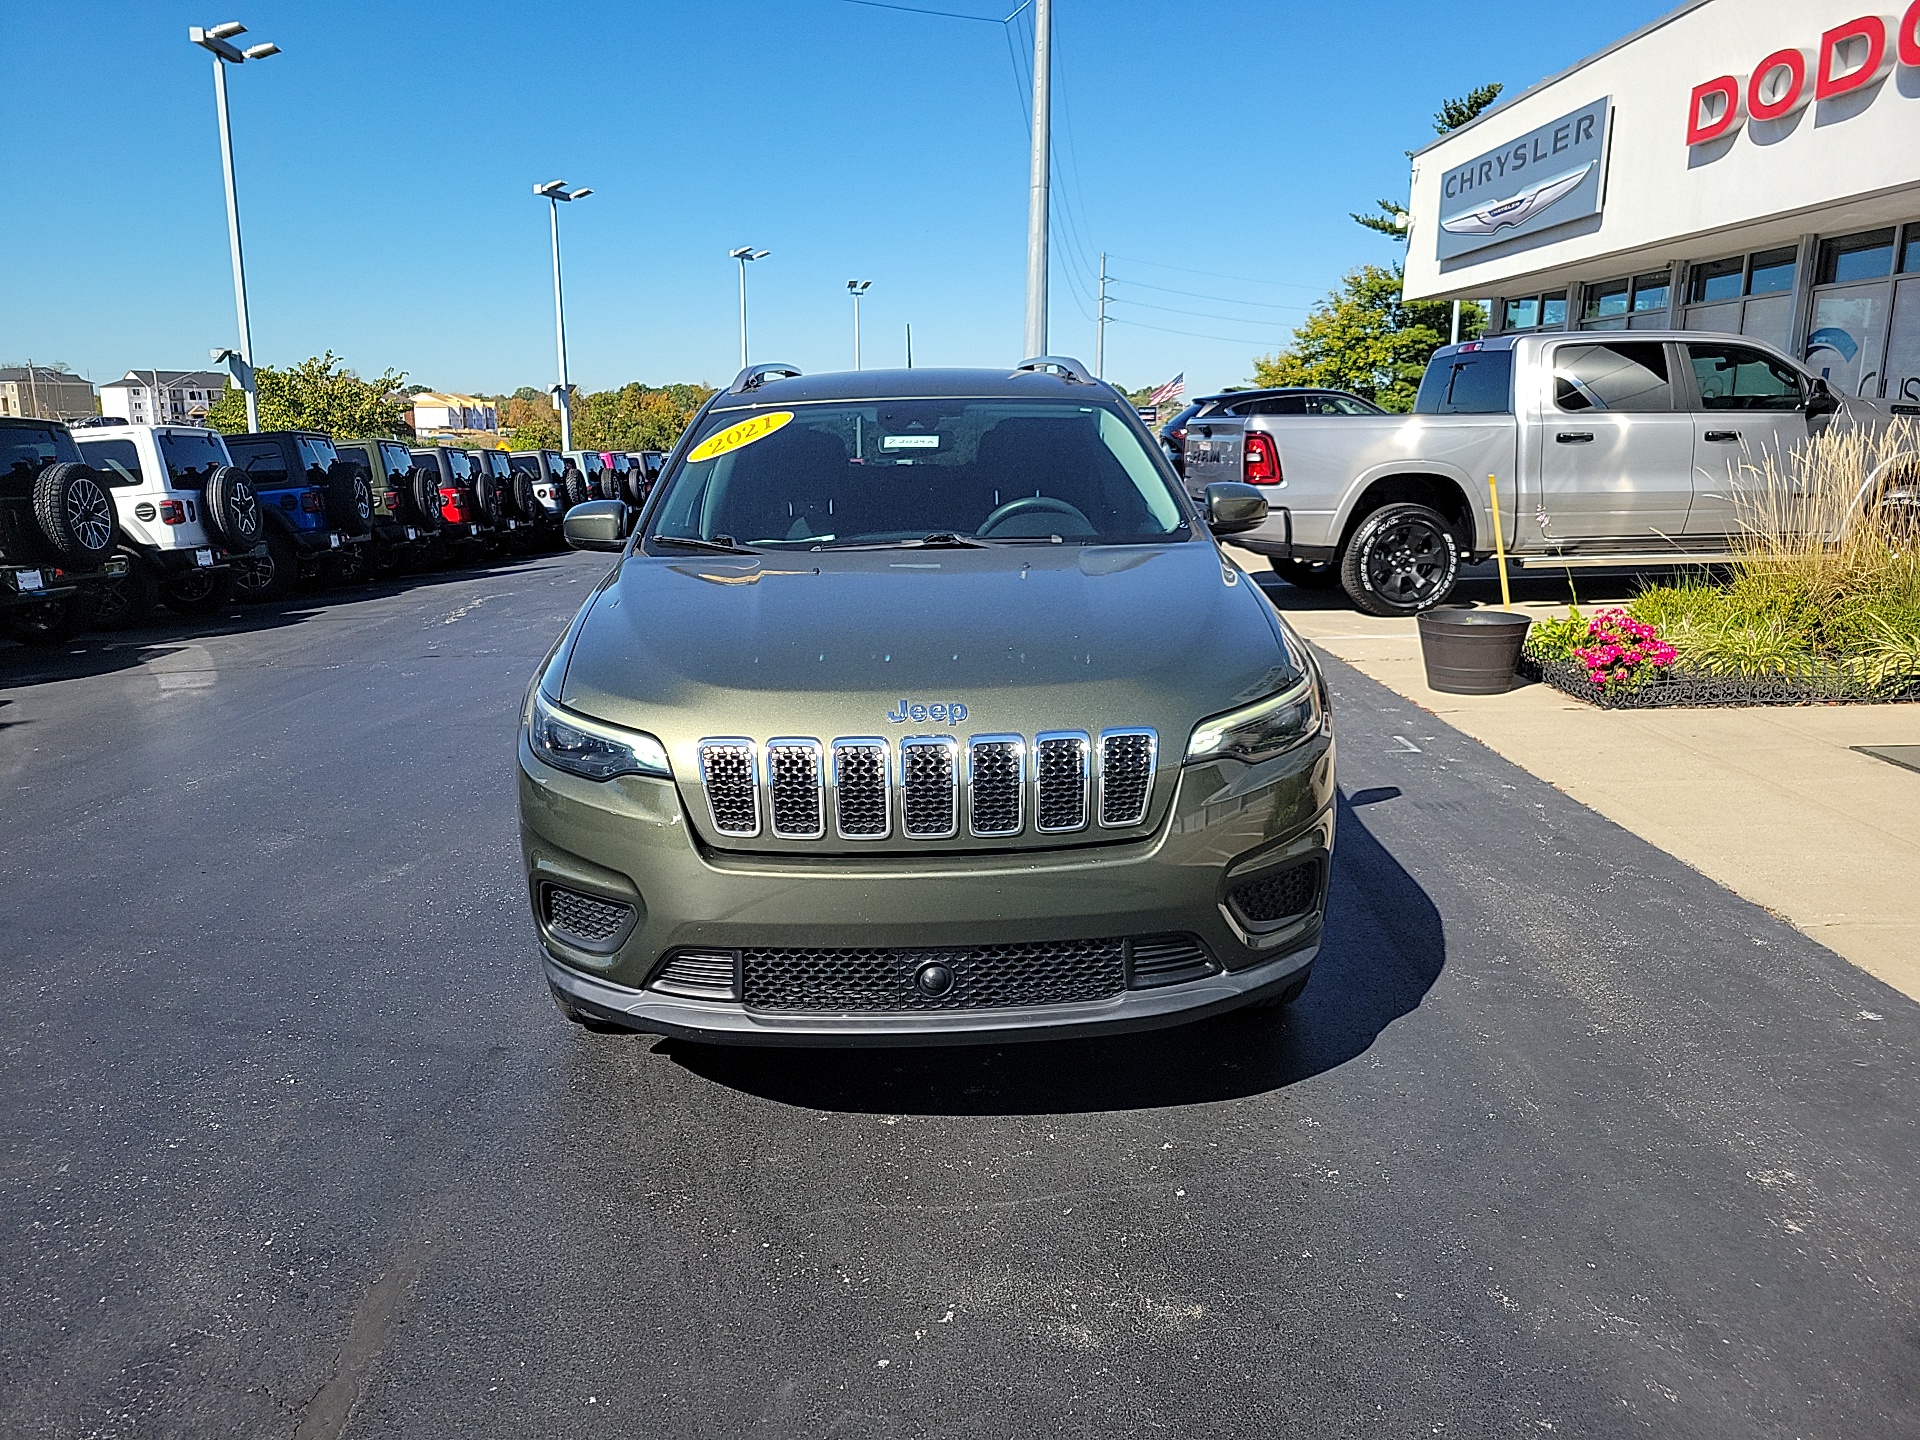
x=76, y=514
x=349, y=499
x=490, y=494
x=232, y=509
x=424, y=491
x=524, y=498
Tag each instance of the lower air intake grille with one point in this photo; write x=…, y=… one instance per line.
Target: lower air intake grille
x=1054, y=972
x=1277, y=894
x=1168, y=960
x=699, y=975
x=733, y=797
x=587, y=922
x=1060, y=767
x=995, y=780
x=929, y=788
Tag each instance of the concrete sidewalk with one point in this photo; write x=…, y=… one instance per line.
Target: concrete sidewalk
x=1771, y=802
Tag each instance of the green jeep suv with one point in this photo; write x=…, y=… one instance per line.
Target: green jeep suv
x=920, y=707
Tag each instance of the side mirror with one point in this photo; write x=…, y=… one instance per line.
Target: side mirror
x=596, y=525
x=1820, y=397
x=1233, y=508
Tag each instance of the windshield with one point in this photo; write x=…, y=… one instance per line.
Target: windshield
x=888, y=471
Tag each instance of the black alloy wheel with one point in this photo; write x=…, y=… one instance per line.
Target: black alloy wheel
x=1403, y=559
x=76, y=514
x=232, y=508
x=128, y=601
x=268, y=574
x=48, y=623
x=351, y=564
x=198, y=592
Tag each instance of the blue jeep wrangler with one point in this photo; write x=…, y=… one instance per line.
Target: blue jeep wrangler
x=319, y=513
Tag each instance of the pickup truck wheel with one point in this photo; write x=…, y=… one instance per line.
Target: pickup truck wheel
x=1403, y=559
x=1307, y=575
x=269, y=576
x=198, y=592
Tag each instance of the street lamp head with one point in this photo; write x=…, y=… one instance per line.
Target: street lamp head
x=551, y=190
x=261, y=51
x=859, y=287
x=228, y=30
x=580, y=194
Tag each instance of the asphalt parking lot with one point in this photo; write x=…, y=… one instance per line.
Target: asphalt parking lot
x=1562, y=1139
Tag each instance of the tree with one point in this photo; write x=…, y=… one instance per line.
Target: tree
x=1366, y=339
x=1392, y=218
x=633, y=417
x=317, y=394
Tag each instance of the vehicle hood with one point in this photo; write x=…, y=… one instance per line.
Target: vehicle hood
x=829, y=645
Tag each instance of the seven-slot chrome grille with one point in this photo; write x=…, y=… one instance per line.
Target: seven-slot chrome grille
x=933, y=787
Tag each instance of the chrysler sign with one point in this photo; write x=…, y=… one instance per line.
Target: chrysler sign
x=1544, y=179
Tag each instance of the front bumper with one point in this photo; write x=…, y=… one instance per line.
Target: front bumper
x=628, y=841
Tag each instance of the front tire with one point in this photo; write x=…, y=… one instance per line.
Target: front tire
x=1403, y=559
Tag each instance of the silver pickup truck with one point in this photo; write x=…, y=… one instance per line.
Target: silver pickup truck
x=1608, y=448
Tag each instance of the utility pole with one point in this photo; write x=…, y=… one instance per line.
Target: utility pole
x=215, y=40
x=1456, y=323
x=1100, y=330
x=1039, y=177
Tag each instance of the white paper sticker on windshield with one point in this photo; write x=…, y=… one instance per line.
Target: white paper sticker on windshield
x=910, y=442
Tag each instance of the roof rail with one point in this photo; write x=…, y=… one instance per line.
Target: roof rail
x=754, y=376
x=1065, y=366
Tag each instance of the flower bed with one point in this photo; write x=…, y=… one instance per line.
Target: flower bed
x=1678, y=688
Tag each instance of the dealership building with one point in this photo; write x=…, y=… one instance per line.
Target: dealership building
x=1737, y=165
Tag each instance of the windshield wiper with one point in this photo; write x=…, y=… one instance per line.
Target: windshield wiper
x=939, y=540
x=721, y=545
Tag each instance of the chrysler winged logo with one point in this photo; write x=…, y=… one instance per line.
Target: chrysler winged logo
x=1517, y=210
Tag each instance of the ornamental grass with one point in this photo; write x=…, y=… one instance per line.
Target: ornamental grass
x=1825, y=587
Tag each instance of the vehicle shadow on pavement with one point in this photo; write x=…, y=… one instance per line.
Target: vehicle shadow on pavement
x=1384, y=949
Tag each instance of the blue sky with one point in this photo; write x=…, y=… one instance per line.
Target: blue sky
x=386, y=162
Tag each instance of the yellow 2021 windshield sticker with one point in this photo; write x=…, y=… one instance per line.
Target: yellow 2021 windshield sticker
x=734, y=437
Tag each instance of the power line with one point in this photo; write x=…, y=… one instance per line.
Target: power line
x=1216, y=274
x=1196, y=295
x=1259, y=320
x=943, y=14
x=1169, y=330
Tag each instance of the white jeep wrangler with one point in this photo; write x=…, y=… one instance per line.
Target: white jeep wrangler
x=184, y=510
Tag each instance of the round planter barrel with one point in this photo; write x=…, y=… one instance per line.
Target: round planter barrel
x=1471, y=652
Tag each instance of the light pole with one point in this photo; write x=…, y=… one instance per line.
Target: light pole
x=743, y=254
x=857, y=288
x=215, y=41
x=1039, y=177
x=553, y=192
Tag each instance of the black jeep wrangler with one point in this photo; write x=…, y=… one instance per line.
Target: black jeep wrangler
x=57, y=534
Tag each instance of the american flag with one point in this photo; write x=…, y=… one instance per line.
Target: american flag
x=1172, y=390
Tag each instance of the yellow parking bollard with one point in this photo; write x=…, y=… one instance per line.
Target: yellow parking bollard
x=1499, y=544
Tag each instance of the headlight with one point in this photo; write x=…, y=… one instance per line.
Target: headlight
x=592, y=748
x=1261, y=731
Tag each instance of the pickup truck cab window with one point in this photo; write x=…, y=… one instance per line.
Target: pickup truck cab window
x=1625, y=375
x=1733, y=377
x=1478, y=382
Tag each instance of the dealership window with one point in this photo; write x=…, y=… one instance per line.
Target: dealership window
x=1902, y=366
x=1607, y=305
x=1853, y=302
x=1744, y=295
x=1535, y=312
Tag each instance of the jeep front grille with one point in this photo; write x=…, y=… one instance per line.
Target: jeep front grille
x=1061, y=767
x=996, y=778
x=733, y=791
x=930, y=788
x=792, y=785
x=1126, y=776
x=793, y=789
x=862, y=806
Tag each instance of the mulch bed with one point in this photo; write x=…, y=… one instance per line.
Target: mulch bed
x=1675, y=690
